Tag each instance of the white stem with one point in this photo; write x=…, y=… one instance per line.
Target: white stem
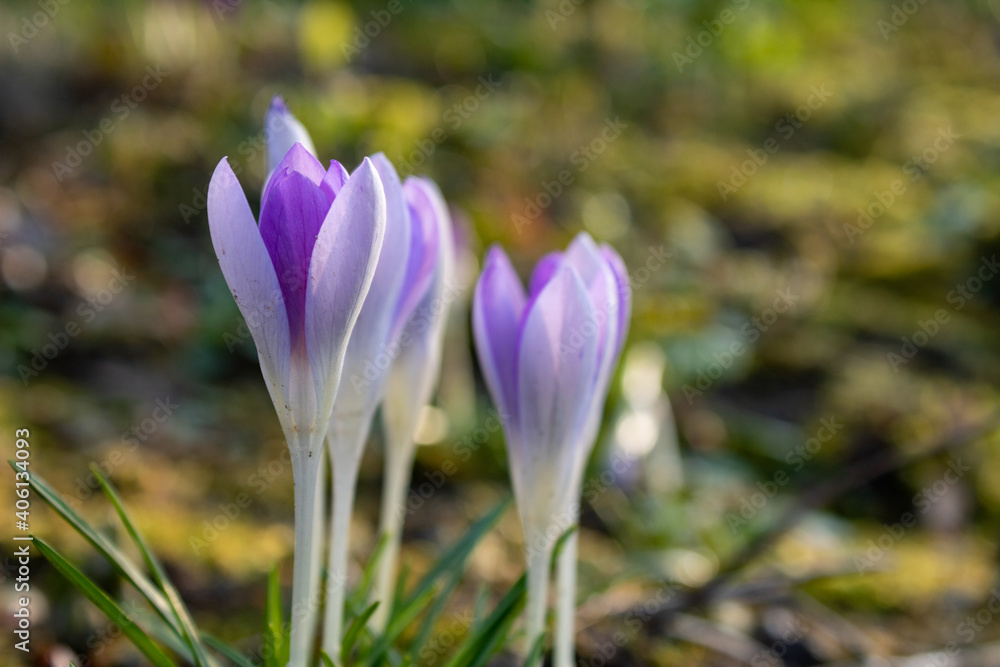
x=308, y=482
x=395, y=482
x=345, y=459
x=566, y=602
x=538, y=593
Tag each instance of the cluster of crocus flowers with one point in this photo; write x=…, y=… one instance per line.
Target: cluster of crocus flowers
x=547, y=356
x=344, y=287
x=329, y=282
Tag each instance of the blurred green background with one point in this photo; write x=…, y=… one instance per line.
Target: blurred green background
x=805, y=194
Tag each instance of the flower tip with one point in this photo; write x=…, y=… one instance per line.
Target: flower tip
x=278, y=105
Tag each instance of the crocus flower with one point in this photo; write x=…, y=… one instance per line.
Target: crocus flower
x=403, y=274
x=300, y=279
x=547, y=357
x=412, y=379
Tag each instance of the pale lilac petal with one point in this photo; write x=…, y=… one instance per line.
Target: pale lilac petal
x=289, y=223
x=370, y=337
x=283, y=131
x=298, y=159
x=584, y=255
x=429, y=217
x=544, y=270
x=620, y=272
x=497, y=308
x=249, y=272
x=556, y=366
x=340, y=275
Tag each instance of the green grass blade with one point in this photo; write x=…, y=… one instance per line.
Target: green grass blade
x=397, y=625
x=354, y=633
x=158, y=629
x=227, y=651
x=434, y=613
x=276, y=646
x=180, y=612
x=535, y=655
x=327, y=660
x=455, y=557
x=107, y=605
x=482, y=643
x=360, y=595
x=108, y=549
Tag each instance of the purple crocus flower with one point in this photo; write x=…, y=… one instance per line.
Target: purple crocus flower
x=300, y=278
x=547, y=356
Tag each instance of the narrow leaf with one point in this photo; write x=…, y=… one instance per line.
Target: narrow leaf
x=455, y=557
x=107, y=605
x=108, y=549
x=275, y=645
x=492, y=633
x=225, y=650
x=354, y=632
x=180, y=612
x=398, y=624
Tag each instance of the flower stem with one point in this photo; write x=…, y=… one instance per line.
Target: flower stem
x=395, y=482
x=538, y=593
x=308, y=482
x=566, y=602
x=345, y=459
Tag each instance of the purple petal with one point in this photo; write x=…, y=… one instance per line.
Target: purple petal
x=290, y=220
x=333, y=179
x=248, y=269
x=283, y=131
x=429, y=217
x=298, y=159
x=340, y=275
x=497, y=308
x=556, y=365
x=544, y=270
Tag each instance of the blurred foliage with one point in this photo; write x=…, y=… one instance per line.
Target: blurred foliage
x=843, y=154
